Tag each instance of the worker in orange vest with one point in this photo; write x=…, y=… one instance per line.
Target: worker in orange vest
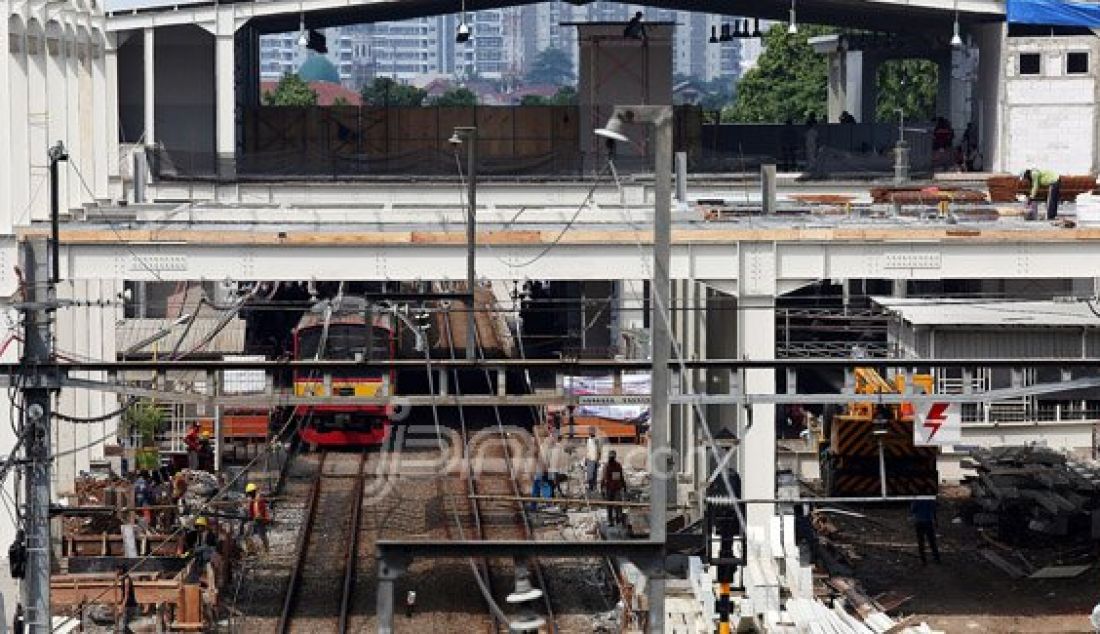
x=258, y=517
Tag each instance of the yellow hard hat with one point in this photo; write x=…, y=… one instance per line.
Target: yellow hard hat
x=250, y=488
x=200, y=521
x=205, y=434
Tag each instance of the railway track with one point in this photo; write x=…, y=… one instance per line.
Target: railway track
x=495, y=474
x=319, y=593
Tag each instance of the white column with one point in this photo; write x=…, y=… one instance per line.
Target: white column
x=34, y=123
x=225, y=97
x=150, y=88
x=19, y=176
x=757, y=291
x=110, y=87
x=6, y=62
x=756, y=340
x=71, y=68
x=102, y=141
x=56, y=109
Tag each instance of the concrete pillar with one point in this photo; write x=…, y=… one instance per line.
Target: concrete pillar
x=756, y=340
x=37, y=111
x=150, y=87
x=110, y=72
x=6, y=176
x=225, y=91
x=852, y=85
x=19, y=173
x=102, y=141
x=57, y=107
x=990, y=40
x=74, y=193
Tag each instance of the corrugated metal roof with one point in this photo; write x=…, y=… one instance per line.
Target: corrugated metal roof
x=230, y=340
x=964, y=312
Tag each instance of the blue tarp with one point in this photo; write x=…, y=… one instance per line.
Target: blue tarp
x=1054, y=13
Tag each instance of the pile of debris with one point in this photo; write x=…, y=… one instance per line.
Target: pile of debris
x=1025, y=491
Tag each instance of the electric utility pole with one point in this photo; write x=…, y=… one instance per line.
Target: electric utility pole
x=38, y=384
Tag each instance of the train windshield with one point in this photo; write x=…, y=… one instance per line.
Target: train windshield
x=344, y=342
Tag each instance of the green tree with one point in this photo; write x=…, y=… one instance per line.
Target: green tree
x=456, y=97
x=789, y=81
x=291, y=91
x=340, y=101
x=908, y=85
x=534, y=100
x=384, y=91
x=551, y=66
x=566, y=96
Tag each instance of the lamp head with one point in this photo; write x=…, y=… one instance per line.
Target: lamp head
x=455, y=139
x=463, y=34
x=303, y=39
x=956, y=39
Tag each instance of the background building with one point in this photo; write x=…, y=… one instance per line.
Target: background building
x=505, y=44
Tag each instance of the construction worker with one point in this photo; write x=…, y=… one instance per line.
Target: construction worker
x=635, y=29
x=923, y=515
x=258, y=517
x=592, y=453
x=201, y=544
x=1035, y=179
x=613, y=486
x=206, y=451
x=191, y=441
x=128, y=605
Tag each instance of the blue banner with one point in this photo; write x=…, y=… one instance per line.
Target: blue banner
x=1054, y=13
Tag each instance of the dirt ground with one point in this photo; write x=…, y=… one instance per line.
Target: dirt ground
x=966, y=593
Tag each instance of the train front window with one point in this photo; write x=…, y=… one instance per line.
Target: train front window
x=344, y=342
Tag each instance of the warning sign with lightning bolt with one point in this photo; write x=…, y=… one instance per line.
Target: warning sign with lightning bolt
x=938, y=424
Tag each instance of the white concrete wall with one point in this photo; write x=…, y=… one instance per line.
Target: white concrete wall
x=86, y=331
x=1050, y=118
x=56, y=74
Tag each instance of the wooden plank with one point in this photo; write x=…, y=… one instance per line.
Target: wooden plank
x=72, y=590
x=1009, y=569
x=1059, y=572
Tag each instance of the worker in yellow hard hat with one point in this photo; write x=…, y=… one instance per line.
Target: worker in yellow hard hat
x=201, y=544
x=258, y=516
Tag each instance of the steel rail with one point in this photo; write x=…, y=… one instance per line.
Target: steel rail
x=482, y=567
x=294, y=583
x=525, y=520
x=351, y=557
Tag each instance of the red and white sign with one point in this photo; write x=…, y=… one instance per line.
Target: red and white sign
x=938, y=424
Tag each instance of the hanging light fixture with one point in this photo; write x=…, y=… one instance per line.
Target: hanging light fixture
x=303, y=37
x=792, y=26
x=956, y=39
x=463, y=34
x=713, y=34
x=756, y=28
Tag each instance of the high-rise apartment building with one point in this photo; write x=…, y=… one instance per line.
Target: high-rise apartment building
x=503, y=44
x=280, y=54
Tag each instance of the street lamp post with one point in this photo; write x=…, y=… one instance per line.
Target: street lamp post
x=660, y=458
x=468, y=135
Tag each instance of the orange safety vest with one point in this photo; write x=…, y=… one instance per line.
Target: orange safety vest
x=257, y=509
